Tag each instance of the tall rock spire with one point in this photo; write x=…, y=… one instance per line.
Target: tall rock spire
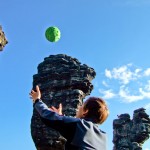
x=62, y=79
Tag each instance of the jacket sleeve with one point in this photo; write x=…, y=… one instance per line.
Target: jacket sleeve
x=45, y=112
x=64, y=124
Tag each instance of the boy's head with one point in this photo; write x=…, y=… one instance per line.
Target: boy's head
x=94, y=108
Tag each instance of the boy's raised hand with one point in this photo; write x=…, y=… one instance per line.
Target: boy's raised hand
x=58, y=111
x=35, y=94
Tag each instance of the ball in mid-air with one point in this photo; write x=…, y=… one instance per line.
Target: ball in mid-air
x=52, y=34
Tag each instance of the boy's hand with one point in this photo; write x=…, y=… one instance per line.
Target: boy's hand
x=35, y=95
x=58, y=111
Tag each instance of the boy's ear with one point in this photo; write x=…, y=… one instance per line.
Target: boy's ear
x=85, y=112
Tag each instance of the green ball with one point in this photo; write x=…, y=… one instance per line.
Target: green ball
x=52, y=34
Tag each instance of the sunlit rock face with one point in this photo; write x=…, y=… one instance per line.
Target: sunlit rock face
x=131, y=134
x=62, y=79
x=3, y=40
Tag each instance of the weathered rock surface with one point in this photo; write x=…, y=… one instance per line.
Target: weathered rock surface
x=3, y=40
x=62, y=79
x=131, y=134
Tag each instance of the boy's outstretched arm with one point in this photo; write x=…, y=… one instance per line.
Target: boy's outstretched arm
x=36, y=96
x=52, y=117
x=42, y=108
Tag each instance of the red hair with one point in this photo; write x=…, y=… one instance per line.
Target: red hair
x=97, y=109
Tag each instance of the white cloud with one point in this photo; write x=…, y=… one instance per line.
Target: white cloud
x=145, y=94
x=138, y=70
x=107, y=94
x=127, y=97
x=127, y=83
x=108, y=74
x=147, y=72
x=123, y=73
x=104, y=83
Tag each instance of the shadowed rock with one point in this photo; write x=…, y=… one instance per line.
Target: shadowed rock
x=131, y=134
x=62, y=79
x=3, y=40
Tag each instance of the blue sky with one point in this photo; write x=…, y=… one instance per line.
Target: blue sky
x=112, y=36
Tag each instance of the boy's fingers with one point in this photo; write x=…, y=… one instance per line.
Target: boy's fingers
x=60, y=106
x=31, y=94
x=51, y=109
x=54, y=108
x=32, y=91
x=37, y=88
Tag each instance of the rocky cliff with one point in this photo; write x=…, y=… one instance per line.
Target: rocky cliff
x=62, y=79
x=130, y=134
x=3, y=40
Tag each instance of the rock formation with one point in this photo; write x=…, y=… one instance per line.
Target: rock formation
x=131, y=134
x=62, y=79
x=3, y=40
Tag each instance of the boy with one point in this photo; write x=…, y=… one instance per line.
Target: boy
x=82, y=132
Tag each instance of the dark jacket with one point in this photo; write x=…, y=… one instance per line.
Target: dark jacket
x=81, y=134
